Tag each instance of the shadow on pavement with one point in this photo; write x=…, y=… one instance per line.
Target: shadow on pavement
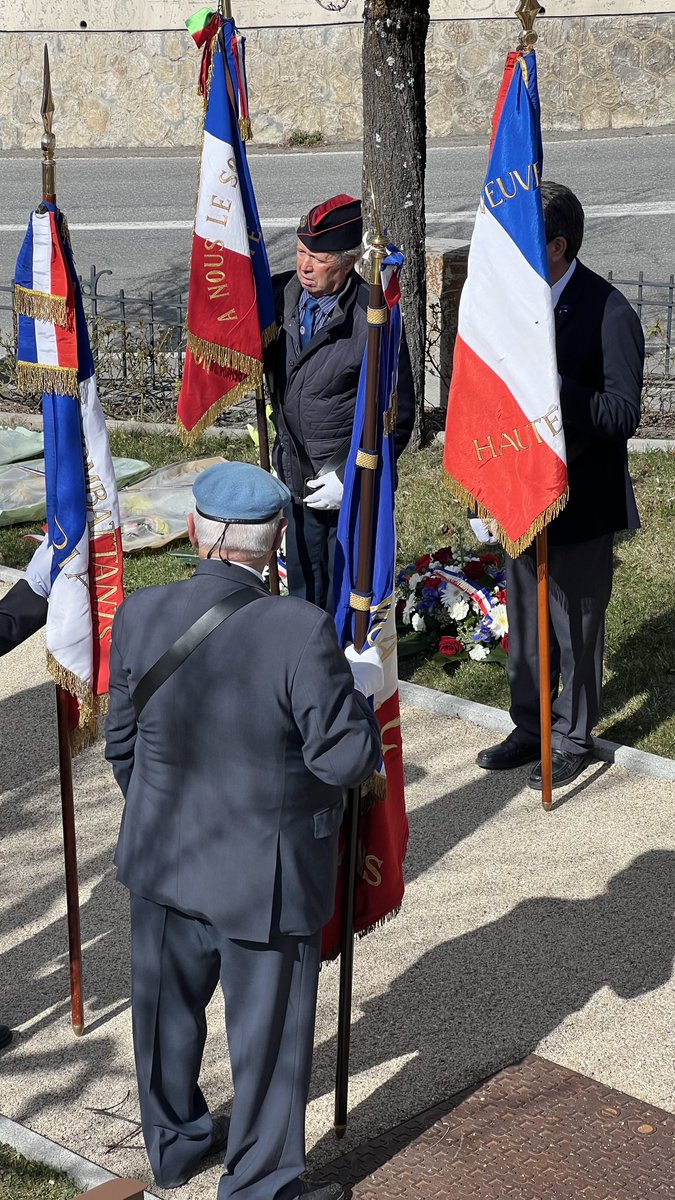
x=486, y=999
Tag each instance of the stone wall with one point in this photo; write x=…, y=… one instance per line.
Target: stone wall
x=138, y=88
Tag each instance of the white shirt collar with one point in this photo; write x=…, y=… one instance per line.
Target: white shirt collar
x=558, y=288
x=246, y=568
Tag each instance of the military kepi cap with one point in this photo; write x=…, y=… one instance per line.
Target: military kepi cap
x=336, y=224
x=239, y=494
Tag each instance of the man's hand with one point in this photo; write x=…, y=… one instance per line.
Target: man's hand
x=366, y=668
x=485, y=531
x=38, y=570
x=326, y=492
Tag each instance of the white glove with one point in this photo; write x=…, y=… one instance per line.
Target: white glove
x=39, y=569
x=366, y=668
x=481, y=530
x=327, y=493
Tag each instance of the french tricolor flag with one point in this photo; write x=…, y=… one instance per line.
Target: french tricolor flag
x=504, y=443
x=230, y=304
x=83, y=546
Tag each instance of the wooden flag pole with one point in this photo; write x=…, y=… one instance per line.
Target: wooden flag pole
x=364, y=584
x=48, y=144
x=265, y=463
x=544, y=671
x=527, y=13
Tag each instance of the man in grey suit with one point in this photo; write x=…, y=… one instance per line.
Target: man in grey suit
x=233, y=778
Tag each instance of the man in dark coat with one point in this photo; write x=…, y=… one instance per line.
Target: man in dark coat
x=313, y=370
x=22, y=612
x=233, y=778
x=600, y=347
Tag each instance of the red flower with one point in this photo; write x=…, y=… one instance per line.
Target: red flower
x=489, y=560
x=400, y=605
x=450, y=646
x=444, y=555
x=500, y=596
x=434, y=581
x=474, y=569
x=505, y=643
x=423, y=562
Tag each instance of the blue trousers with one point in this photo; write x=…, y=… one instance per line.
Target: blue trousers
x=270, y=994
x=310, y=554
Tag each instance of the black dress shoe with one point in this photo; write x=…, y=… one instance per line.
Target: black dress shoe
x=325, y=1191
x=5, y=1035
x=566, y=767
x=513, y=752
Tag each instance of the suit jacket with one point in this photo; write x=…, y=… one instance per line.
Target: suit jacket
x=233, y=775
x=314, y=390
x=600, y=347
x=22, y=612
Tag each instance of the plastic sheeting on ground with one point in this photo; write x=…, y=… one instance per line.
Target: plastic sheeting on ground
x=20, y=443
x=22, y=487
x=153, y=512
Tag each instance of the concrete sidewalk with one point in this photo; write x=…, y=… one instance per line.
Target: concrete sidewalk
x=520, y=931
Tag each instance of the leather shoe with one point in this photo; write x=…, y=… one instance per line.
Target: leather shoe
x=513, y=752
x=566, y=767
x=5, y=1035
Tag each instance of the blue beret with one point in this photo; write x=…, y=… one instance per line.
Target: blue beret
x=239, y=493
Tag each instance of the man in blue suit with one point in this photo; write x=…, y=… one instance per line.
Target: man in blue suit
x=233, y=778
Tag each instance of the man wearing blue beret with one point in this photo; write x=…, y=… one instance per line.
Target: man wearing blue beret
x=313, y=370
x=235, y=723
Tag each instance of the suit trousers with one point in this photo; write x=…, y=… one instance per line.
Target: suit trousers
x=270, y=994
x=580, y=587
x=310, y=554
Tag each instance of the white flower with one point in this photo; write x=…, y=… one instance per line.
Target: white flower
x=499, y=620
x=407, y=611
x=413, y=580
x=478, y=653
x=455, y=605
x=418, y=623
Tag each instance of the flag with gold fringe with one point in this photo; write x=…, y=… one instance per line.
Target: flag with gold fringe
x=83, y=547
x=383, y=823
x=230, y=314
x=504, y=441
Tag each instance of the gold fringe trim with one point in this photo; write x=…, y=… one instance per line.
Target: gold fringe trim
x=41, y=306
x=34, y=377
x=245, y=129
x=334, y=953
x=207, y=353
x=269, y=334
x=86, y=732
x=188, y=436
x=513, y=548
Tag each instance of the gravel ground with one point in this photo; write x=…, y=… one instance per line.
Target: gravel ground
x=520, y=931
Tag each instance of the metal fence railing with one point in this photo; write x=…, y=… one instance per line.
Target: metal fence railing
x=139, y=344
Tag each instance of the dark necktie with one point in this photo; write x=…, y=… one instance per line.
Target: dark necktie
x=309, y=316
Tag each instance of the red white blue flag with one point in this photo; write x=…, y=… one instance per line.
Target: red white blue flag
x=230, y=304
x=83, y=544
x=383, y=827
x=504, y=442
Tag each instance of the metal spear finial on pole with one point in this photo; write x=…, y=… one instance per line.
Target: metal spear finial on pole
x=48, y=142
x=527, y=13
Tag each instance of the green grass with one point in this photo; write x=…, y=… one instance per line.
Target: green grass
x=639, y=693
x=24, y=1180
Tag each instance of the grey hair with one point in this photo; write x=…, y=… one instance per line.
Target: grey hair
x=348, y=256
x=563, y=216
x=256, y=541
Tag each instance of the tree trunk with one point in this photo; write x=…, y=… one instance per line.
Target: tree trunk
x=394, y=154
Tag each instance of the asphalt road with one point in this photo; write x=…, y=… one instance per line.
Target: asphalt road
x=133, y=214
